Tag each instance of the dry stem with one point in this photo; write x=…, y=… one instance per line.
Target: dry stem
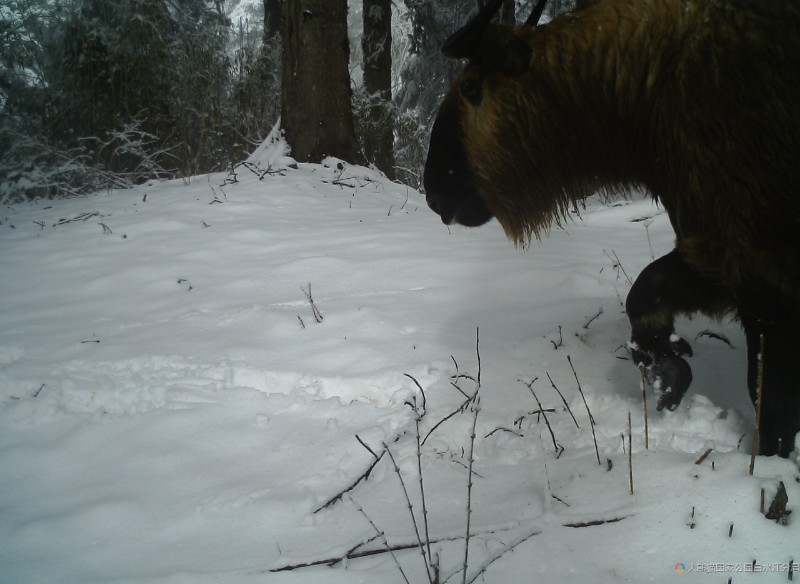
x=644, y=406
x=566, y=405
x=470, y=459
x=630, y=453
x=382, y=535
x=317, y=314
x=410, y=511
x=760, y=389
x=591, y=417
x=541, y=409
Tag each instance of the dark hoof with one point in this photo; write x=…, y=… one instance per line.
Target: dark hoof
x=671, y=377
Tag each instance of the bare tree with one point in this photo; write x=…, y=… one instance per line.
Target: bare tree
x=376, y=43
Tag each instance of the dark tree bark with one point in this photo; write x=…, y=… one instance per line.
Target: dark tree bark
x=377, y=48
x=272, y=20
x=316, y=104
x=507, y=15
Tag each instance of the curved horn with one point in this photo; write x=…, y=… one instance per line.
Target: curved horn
x=463, y=43
x=533, y=19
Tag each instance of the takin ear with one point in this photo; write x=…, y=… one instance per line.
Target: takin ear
x=464, y=43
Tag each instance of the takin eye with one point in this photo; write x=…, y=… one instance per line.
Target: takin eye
x=472, y=91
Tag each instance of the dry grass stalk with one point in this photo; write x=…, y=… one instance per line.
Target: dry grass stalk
x=760, y=397
x=317, y=314
x=644, y=406
x=470, y=459
x=542, y=411
x=630, y=454
x=420, y=543
x=417, y=418
x=704, y=456
x=591, y=417
x=564, y=401
x=382, y=536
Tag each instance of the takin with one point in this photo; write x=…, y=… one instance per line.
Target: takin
x=695, y=101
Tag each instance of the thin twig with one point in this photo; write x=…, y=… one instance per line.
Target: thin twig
x=566, y=405
x=541, y=409
x=364, y=476
x=630, y=453
x=417, y=418
x=592, y=319
x=354, y=553
x=503, y=429
x=704, y=456
x=647, y=224
x=422, y=391
x=81, y=217
x=499, y=554
x=410, y=511
x=470, y=459
x=478, y=351
x=317, y=314
x=458, y=410
x=618, y=264
x=760, y=389
x=591, y=417
x=580, y=389
x=382, y=535
x=595, y=522
x=364, y=444
x=645, y=385
x=464, y=393
x=458, y=376
x=560, y=342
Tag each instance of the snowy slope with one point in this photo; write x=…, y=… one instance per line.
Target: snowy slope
x=171, y=411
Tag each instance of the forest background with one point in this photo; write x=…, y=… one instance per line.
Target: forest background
x=102, y=94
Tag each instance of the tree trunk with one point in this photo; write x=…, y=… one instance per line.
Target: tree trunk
x=316, y=108
x=272, y=20
x=377, y=48
x=507, y=15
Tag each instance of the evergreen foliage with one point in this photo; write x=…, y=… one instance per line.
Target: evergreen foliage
x=104, y=93
x=101, y=94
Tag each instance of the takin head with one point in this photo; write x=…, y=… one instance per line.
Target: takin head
x=451, y=177
x=543, y=116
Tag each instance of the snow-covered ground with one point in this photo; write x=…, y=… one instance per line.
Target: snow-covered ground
x=172, y=412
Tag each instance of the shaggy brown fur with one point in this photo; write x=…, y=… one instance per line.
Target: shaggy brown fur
x=705, y=117
x=697, y=101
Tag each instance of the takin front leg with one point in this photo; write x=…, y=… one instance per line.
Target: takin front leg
x=665, y=288
x=780, y=411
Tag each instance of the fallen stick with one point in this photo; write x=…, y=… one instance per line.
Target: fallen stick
x=354, y=553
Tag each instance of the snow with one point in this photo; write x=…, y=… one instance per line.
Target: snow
x=172, y=412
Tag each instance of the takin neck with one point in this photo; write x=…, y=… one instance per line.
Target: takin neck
x=593, y=92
